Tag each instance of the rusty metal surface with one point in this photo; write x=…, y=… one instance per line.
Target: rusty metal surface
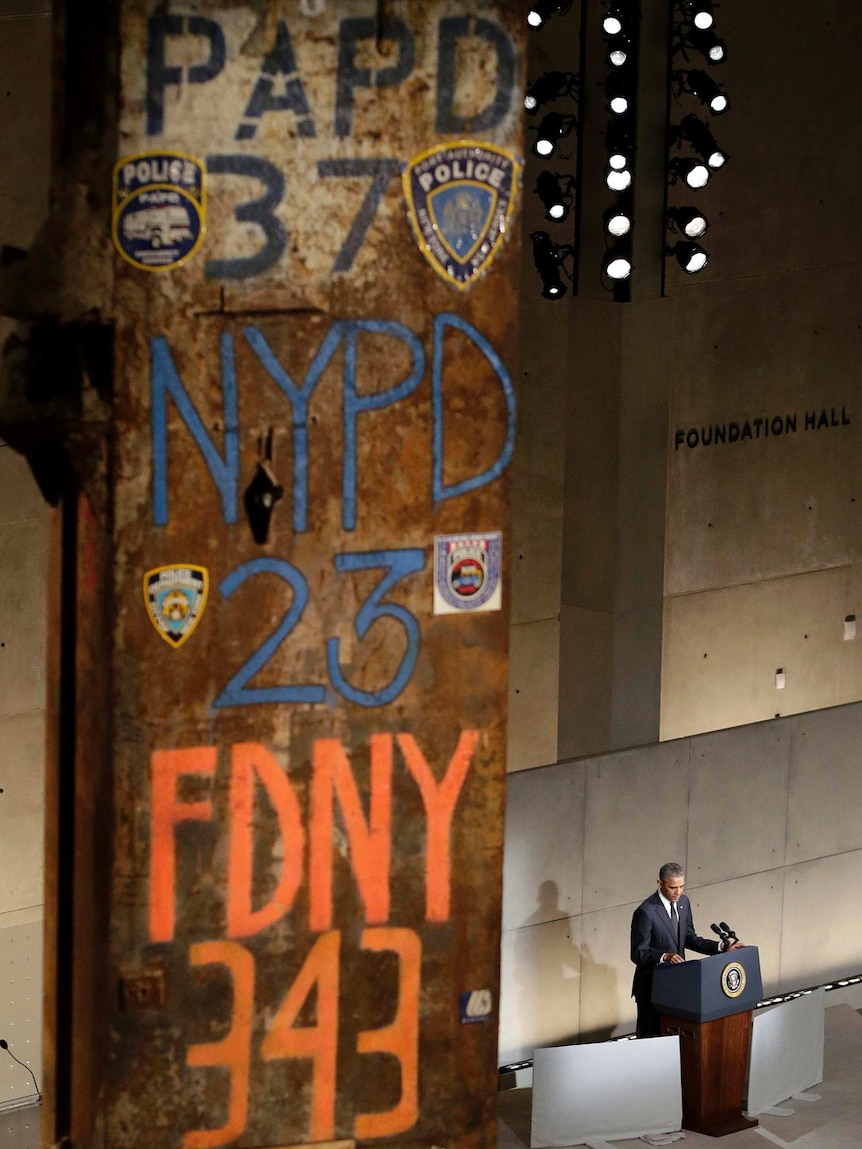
x=306, y=881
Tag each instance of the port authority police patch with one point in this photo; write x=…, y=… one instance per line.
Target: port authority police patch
x=460, y=199
x=175, y=597
x=733, y=979
x=159, y=209
x=467, y=573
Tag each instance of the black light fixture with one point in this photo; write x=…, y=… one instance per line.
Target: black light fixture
x=688, y=220
x=618, y=51
x=618, y=92
x=550, y=86
x=703, y=87
x=695, y=132
x=557, y=193
x=617, y=264
x=691, y=257
x=542, y=10
x=708, y=43
x=701, y=14
x=548, y=258
x=550, y=131
x=618, y=219
x=619, y=16
x=694, y=172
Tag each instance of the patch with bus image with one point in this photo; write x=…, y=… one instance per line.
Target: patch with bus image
x=175, y=597
x=460, y=200
x=159, y=209
x=467, y=573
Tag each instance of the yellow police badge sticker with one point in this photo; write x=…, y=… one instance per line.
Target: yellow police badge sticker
x=175, y=597
x=733, y=979
x=460, y=200
x=159, y=209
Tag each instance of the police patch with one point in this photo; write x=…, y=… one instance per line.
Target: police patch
x=460, y=199
x=467, y=573
x=159, y=209
x=175, y=597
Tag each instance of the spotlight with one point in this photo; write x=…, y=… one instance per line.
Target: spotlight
x=550, y=86
x=701, y=14
x=691, y=257
x=709, y=44
x=691, y=222
x=542, y=10
x=618, y=222
x=704, y=88
x=694, y=172
x=548, y=258
x=617, y=264
x=618, y=180
x=618, y=51
x=556, y=193
x=617, y=91
x=618, y=140
x=550, y=131
x=619, y=14
x=695, y=132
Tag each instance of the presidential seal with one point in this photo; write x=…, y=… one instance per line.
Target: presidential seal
x=733, y=979
x=467, y=573
x=159, y=207
x=460, y=199
x=175, y=597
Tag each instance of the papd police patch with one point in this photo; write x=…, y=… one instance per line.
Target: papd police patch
x=175, y=598
x=467, y=573
x=159, y=209
x=460, y=198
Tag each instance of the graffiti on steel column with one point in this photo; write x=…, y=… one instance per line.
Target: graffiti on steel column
x=223, y=467
x=308, y=858
x=278, y=100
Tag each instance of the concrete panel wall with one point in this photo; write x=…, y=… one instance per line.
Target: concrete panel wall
x=24, y=165
x=765, y=818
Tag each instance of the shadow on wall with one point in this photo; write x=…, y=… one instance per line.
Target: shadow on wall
x=554, y=971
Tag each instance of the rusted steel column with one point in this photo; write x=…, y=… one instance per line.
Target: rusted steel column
x=314, y=307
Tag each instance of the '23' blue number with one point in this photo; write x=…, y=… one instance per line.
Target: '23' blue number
x=398, y=564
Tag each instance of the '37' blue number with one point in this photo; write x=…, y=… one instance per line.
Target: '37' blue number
x=398, y=564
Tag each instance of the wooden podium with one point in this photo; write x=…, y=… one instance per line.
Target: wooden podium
x=708, y=1005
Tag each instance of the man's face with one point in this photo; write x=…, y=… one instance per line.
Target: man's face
x=672, y=887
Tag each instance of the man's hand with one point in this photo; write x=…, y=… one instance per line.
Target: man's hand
x=736, y=946
x=673, y=959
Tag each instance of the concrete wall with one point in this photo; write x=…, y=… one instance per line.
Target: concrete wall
x=24, y=165
x=765, y=820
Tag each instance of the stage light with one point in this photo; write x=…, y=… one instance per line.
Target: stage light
x=617, y=91
x=617, y=222
x=556, y=193
x=691, y=222
x=618, y=141
x=704, y=88
x=548, y=258
x=695, y=132
x=691, y=257
x=550, y=86
x=542, y=10
x=550, y=131
x=709, y=44
x=619, y=14
x=701, y=14
x=617, y=265
x=618, y=180
x=618, y=52
x=694, y=172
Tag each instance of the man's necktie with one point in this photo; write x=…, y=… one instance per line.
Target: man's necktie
x=674, y=921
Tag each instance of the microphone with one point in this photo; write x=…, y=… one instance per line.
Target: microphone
x=729, y=932
x=4, y=1044
x=721, y=931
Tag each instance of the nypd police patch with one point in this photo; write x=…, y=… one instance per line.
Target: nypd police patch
x=175, y=597
x=460, y=199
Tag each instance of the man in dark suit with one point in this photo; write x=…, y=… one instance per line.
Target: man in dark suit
x=662, y=930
